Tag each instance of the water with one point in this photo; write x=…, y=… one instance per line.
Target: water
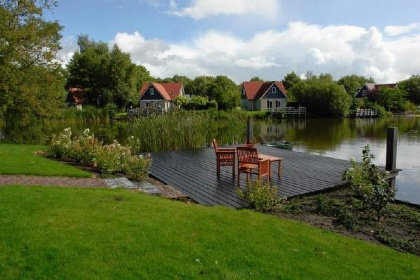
x=345, y=138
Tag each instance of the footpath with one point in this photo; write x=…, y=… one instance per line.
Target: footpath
x=149, y=186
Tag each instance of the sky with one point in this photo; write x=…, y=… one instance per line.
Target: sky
x=246, y=38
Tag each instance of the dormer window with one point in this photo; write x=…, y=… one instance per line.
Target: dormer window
x=273, y=89
x=152, y=91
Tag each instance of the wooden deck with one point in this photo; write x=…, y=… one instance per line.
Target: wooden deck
x=193, y=172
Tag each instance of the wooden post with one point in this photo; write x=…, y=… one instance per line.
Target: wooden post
x=391, y=152
x=249, y=130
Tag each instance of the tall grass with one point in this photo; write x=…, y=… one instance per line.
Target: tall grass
x=187, y=130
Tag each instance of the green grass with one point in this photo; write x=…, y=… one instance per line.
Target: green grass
x=65, y=233
x=21, y=160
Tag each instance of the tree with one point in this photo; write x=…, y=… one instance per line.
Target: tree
x=225, y=92
x=256, y=79
x=322, y=97
x=412, y=87
x=31, y=81
x=290, y=80
x=106, y=76
x=392, y=99
x=199, y=86
x=352, y=83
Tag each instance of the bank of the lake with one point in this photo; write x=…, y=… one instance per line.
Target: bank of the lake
x=337, y=138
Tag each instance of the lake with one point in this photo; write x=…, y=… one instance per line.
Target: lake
x=345, y=138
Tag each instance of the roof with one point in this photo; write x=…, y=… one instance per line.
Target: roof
x=379, y=86
x=77, y=94
x=169, y=91
x=257, y=89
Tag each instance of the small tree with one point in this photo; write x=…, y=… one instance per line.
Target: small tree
x=369, y=182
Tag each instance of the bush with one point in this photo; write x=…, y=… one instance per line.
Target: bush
x=261, y=197
x=108, y=159
x=369, y=183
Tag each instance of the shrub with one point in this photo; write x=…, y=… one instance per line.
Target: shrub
x=369, y=183
x=261, y=197
x=108, y=159
x=112, y=158
x=138, y=166
x=61, y=145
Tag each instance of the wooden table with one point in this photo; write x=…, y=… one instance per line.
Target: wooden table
x=272, y=159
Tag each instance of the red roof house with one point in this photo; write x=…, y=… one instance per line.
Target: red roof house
x=266, y=96
x=159, y=96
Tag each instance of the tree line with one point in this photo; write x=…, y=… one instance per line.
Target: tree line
x=33, y=84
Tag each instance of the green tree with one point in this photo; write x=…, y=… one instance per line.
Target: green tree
x=290, y=80
x=412, y=87
x=322, y=97
x=107, y=76
x=31, y=81
x=256, y=79
x=225, y=92
x=199, y=86
x=392, y=99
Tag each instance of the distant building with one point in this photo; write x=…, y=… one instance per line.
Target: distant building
x=371, y=88
x=265, y=96
x=75, y=97
x=159, y=96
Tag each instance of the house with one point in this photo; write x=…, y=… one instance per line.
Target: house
x=159, y=96
x=75, y=97
x=265, y=96
x=371, y=88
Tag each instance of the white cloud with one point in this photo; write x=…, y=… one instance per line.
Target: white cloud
x=200, y=9
x=68, y=48
x=394, y=30
x=339, y=50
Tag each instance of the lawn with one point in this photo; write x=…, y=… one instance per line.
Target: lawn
x=65, y=233
x=21, y=160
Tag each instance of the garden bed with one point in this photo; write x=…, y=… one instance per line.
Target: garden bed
x=338, y=211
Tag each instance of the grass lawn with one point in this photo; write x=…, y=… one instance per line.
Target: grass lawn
x=66, y=233
x=21, y=160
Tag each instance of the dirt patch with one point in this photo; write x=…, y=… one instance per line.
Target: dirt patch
x=340, y=212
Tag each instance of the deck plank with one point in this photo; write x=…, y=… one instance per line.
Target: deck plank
x=193, y=172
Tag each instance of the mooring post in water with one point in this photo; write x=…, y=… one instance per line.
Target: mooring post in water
x=249, y=130
x=391, y=153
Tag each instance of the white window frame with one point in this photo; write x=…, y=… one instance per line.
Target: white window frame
x=269, y=104
x=152, y=91
x=278, y=103
x=273, y=89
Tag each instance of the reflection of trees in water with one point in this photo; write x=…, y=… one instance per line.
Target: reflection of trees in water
x=327, y=134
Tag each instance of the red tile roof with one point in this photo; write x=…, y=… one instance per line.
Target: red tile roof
x=77, y=94
x=379, y=86
x=257, y=89
x=169, y=91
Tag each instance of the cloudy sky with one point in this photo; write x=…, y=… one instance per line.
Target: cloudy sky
x=246, y=38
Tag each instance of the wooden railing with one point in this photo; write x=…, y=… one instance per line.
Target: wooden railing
x=365, y=113
x=136, y=112
x=289, y=111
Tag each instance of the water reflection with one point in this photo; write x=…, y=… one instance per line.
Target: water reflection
x=345, y=138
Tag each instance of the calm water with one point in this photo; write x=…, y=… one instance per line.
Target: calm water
x=344, y=139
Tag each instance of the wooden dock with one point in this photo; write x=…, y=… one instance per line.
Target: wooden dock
x=193, y=172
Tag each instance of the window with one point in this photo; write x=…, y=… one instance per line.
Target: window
x=273, y=89
x=278, y=103
x=243, y=92
x=269, y=104
x=152, y=91
x=364, y=93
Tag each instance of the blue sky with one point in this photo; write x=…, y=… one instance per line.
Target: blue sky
x=246, y=38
